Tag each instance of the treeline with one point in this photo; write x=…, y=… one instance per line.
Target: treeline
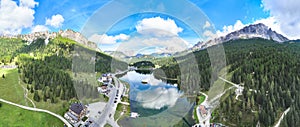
x=192, y=71
x=143, y=64
x=48, y=78
x=270, y=69
x=86, y=60
x=105, y=63
x=9, y=48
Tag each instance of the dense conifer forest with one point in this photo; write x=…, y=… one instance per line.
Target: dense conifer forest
x=269, y=72
x=50, y=68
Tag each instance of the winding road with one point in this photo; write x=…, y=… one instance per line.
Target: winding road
x=37, y=110
x=205, y=121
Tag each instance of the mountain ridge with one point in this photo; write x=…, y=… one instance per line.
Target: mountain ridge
x=259, y=30
x=68, y=33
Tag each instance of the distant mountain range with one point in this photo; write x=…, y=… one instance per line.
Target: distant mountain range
x=116, y=54
x=70, y=34
x=252, y=31
x=121, y=55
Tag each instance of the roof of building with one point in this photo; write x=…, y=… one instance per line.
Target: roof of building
x=77, y=108
x=72, y=116
x=203, y=109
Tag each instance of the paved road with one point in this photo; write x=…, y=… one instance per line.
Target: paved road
x=107, y=116
x=124, y=103
x=37, y=110
x=282, y=116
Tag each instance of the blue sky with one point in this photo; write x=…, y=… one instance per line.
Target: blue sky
x=220, y=16
x=220, y=12
x=227, y=12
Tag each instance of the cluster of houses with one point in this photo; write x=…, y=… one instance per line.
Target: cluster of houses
x=105, y=80
x=78, y=114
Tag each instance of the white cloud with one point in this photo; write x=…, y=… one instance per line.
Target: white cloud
x=28, y=3
x=270, y=22
x=158, y=26
x=105, y=39
x=14, y=18
x=55, y=21
x=287, y=15
x=228, y=29
x=158, y=98
x=209, y=34
x=137, y=44
x=39, y=28
x=284, y=18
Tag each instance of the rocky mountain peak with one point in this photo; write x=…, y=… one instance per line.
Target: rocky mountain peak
x=73, y=35
x=259, y=30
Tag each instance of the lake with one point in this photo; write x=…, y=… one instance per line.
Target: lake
x=158, y=103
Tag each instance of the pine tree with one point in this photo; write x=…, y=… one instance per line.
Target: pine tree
x=31, y=89
x=52, y=100
x=28, y=88
x=36, y=96
x=45, y=96
x=252, y=102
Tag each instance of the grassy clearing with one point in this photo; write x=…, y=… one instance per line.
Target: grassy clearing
x=201, y=99
x=122, y=108
x=59, y=108
x=11, y=90
x=195, y=114
x=18, y=117
x=9, y=87
x=107, y=125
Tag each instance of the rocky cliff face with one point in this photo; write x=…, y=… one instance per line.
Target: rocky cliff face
x=76, y=36
x=257, y=30
x=252, y=31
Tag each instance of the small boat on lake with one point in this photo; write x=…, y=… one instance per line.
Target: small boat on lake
x=145, y=81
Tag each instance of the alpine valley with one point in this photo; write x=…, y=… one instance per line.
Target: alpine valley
x=265, y=63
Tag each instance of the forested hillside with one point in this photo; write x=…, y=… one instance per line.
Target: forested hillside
x=46, y=68
x=268, y=70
